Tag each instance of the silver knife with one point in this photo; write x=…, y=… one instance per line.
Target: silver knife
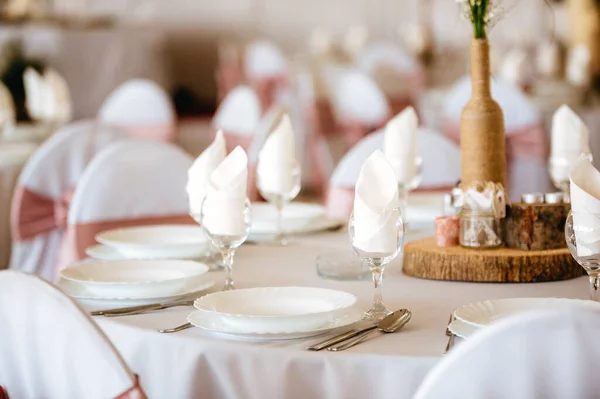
x=340, y=337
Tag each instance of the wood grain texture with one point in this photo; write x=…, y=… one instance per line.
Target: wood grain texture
x=424, y=259
x=535, y=226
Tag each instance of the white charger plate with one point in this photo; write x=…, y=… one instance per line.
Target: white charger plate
x=480, y=314
x=79, y=292
x=298, y=217
x=276, y=309
x=462, y=329
x=105, y=252
x=136, y=278
x=213, y=323
x=157, y=241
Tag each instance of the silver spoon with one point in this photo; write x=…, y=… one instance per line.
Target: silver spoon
x=389, y=324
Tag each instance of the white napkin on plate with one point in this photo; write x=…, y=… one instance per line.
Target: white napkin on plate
x=226, y=196
x=579, y=66
x=400, y=144
x=201, y=170
x=376, y=209
x=548, y=59
x=585, y=204
x=277, y=160
x=512, y=68
x=569, y=139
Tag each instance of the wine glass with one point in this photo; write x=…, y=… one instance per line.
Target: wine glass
x=582, y=233
x=376, y=261
x=226, y=237
x=279, y=188
x=212, y=257
x=559, y=168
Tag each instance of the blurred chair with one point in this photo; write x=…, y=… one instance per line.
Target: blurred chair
x=8, y=113
x=131, y=183
x=229, y=73
x=526, y=140
x=141, y=108
x=41, y=200
x=552, y=354
x=441, y=168
x=52, y=349
x=396, y=72
x=266, y=70
x=359, y=106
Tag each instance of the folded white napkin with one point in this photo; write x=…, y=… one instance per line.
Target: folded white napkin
x=579, y=71
x=548, y=59
x=569, y=139
x=226, y=196
x=585, y=204
x=376, y=209
x=512, y=68
x=277, y=160
x=34, y=93
x=47, y=96
x=400, y=144
x=201, y=170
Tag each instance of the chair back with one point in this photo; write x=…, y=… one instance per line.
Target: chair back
x=41, y=199
x=52, y=349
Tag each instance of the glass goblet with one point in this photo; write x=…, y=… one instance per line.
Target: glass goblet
x=582, y=233
x=376, y=260
x=279, y=188
x=226, y=239
x=212, y=257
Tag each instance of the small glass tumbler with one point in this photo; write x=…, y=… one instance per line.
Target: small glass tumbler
x=376, y=261
x=227, y=240
x=279, y=194
x=582, y=233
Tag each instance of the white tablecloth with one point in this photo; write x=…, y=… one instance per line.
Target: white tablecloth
x=94, y=61
x=194, y=364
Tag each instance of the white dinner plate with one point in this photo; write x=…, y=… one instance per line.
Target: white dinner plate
x=80, y=292
x=462, y=329
x=480, y=314
x=105, y=252
x=136, y=278
x=276, y=309
x=157, y=242
x=298, y=217
x=213, y=323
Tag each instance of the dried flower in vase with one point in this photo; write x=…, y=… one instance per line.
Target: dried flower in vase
x=483, y=14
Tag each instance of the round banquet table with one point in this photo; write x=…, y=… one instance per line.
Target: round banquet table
x=197, y=364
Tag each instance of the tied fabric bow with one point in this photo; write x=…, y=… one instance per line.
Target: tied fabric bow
x=36, y=214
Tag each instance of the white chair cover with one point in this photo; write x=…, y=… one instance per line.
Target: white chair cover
x=528, y=171
x=51, y=172
x=538, y=355
x=141, y=107
x=386, y=54
x=239, y=114
x=133, y=182
x=263, y=59
x=50, y=348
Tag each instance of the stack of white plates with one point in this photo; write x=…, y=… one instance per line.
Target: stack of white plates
x=150, y=242
x=135, y=279
x=275, y=313
x=298, y=218
x=471, y=318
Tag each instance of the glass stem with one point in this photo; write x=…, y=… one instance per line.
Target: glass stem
x=402, y=201
x=281, y=238
x=228, y=264
x=377, y=271
x=594, y=287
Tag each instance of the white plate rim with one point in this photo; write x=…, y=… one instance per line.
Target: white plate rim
x=203, y=270
x=352, y=318
x=102, y=239
x=462, y=329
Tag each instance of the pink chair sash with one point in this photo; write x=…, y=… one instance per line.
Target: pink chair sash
x=135, y=392
x=353, y=131
x=161, y=132
x=82, y=235
x=33, y=214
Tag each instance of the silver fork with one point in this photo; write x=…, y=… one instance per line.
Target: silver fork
x=450, y=335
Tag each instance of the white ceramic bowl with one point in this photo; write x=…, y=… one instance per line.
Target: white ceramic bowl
x=277, y=309
x=157, y=242
x=137, y=278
